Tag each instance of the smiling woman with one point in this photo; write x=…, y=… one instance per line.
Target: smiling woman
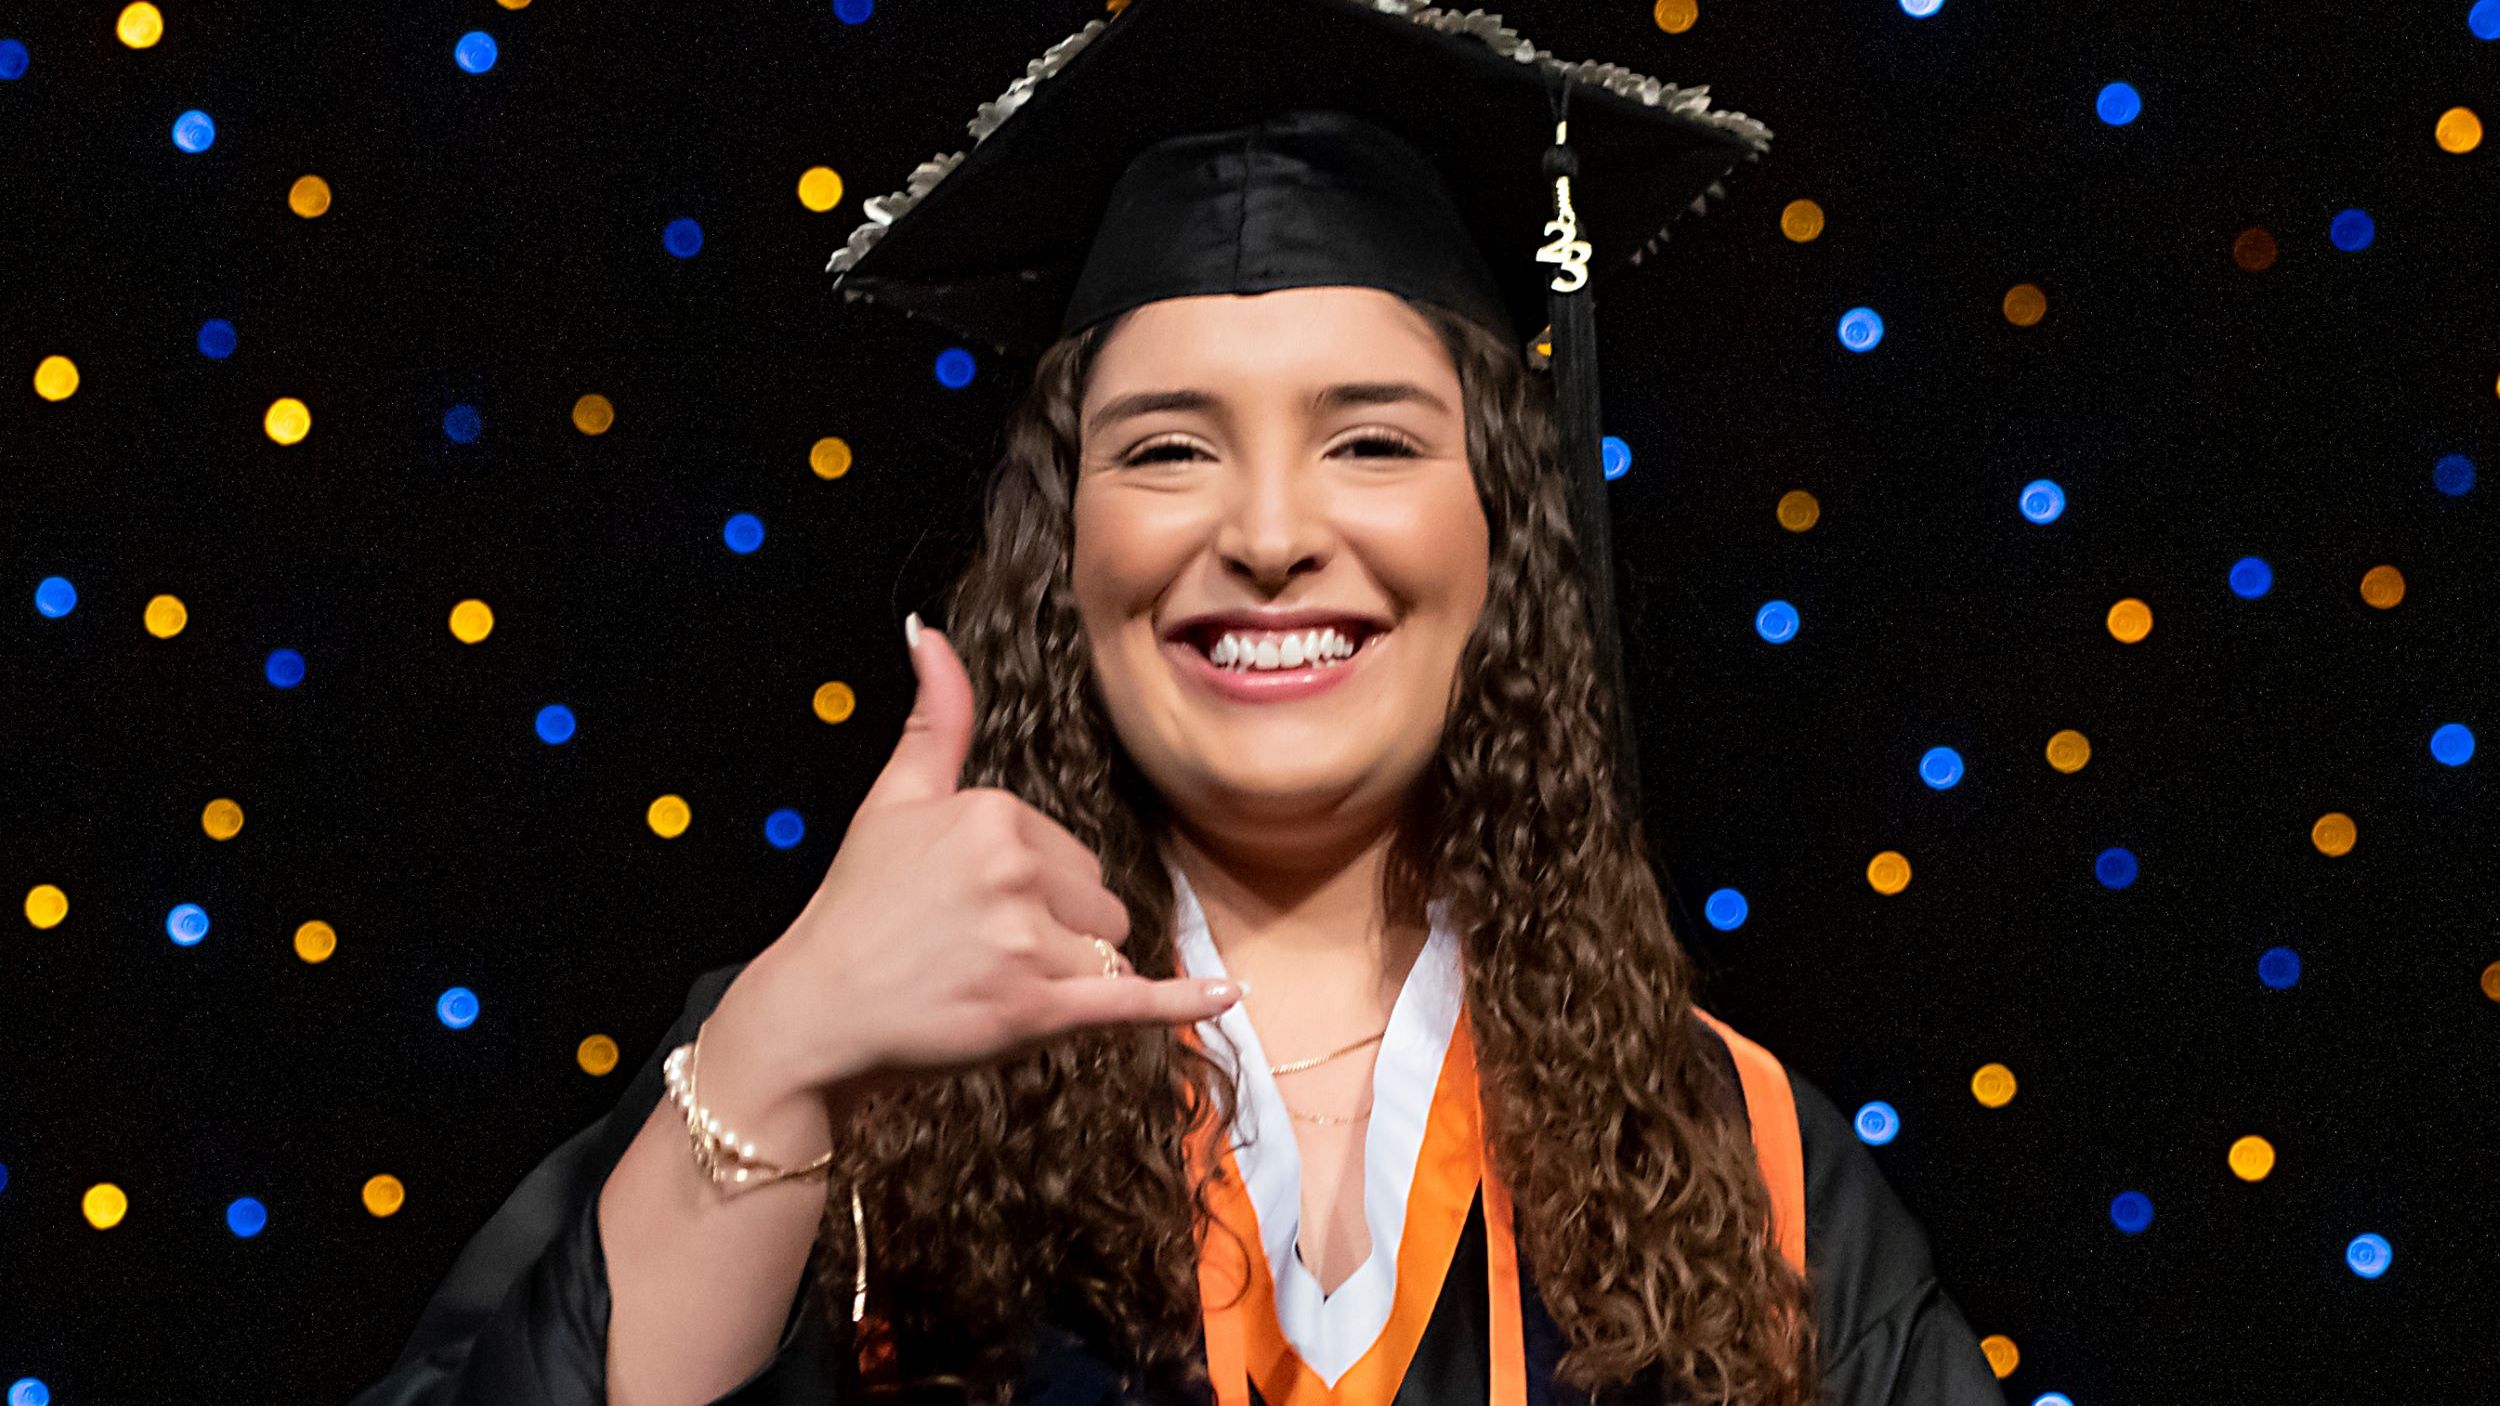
x=1281, y=678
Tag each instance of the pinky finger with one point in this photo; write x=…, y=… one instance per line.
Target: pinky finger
x=1133, y=1000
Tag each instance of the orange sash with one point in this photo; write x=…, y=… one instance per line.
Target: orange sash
x=1238, y=1295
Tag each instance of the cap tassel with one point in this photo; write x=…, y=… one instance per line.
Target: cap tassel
x=1573, y=320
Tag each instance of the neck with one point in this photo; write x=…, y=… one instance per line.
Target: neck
x=1308, y=930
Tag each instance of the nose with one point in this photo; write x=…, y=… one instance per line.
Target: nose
x=1277, y=522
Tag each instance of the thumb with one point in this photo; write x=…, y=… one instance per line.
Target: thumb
x=929, y=760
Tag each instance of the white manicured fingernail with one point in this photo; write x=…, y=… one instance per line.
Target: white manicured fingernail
x=911, y=630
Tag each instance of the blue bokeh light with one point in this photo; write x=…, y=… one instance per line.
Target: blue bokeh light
x=2131, y=1211
x=2454, y=473
x=284, y=668
x=186, y=924
x=1776, y=622
x=55, y=597
x=13, y=59
x=2042, y=500
x=2453, y=743
x=195, y=131
x=1920, y=9
x=2369, y=1255
x=475, y=53
x=744, y=532
x=2484, y=19
x=684, y=237
x=1861, y=329
x=1726, y=909
x=784, y=828
x=954, y=368
x=457, y=1008
x=462, y=424
x=1941, y=768
x=2279, y=968
x=1616, y=456
x=555, y=724
x=216, y=339
x=2251, y=577
x=1876, y=1123
x=29, y=1391
x=2352, y=230
x=2118, y=104
x=854, y=11
x=246, y=1216
x=2114, y=867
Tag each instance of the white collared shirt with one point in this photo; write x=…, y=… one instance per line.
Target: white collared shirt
x=1332, y=1332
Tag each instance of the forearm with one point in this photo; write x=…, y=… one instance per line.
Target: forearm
x=701, y=1279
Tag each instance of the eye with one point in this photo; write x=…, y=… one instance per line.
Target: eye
x=1397, y=445
x=1389, y=443
x=1148, y=452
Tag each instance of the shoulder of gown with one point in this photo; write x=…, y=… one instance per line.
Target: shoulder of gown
x=523, y=1313
x=1891, y=1335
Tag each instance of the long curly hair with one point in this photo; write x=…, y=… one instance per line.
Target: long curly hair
x=1058, y=1185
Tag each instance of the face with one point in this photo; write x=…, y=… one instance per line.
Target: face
x=1254, y=469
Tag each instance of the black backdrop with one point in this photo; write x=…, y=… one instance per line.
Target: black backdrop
x=496, y=240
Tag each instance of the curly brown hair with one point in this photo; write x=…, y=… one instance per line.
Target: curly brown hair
x=1059, y=1184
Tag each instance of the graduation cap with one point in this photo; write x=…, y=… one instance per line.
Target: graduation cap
x=1186, y=147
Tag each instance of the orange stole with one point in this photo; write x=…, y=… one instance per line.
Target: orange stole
x=1238, y=1295
x=1777, y=1145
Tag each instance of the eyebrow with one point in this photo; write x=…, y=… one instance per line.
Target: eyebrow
x=1337, y=397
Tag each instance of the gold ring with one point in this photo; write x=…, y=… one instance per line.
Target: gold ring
x=1110, y=956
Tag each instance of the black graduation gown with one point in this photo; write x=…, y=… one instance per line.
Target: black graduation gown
x=522, y=1316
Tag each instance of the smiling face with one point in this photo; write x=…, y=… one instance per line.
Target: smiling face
x=1298, y=459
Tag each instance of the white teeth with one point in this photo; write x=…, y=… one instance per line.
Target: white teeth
x=1245, y=650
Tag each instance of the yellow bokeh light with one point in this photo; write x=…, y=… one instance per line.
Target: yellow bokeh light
x=1675, y=16
x=1801, y=220
x=2025, y=304
x=514, y=4
x=2254, y=250
x=140, y=25
x=2334, y=833
x=1993, y=1086
x=315, y=941
x=471, y=621
x=820, y=188
x=2002, y=1356
x=829, y=457
x=384, y=1195
x=166, y=616
x=2130, y=620
x=2251, y=1158
x=288, y=420
x=46, y=905
x=592, y=414
x=2383, y=586
x=669, y=816
x=56, y=377
x=1889, y=872
x=309, y=196
x=2069, y=750
x=1798, y=510
x=2459, y=130
x=2491, y=981
x=104, y=1205
x=834, y=701
x=223, y=819
x=596, y=1055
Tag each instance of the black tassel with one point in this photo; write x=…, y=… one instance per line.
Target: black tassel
x=1573, y=319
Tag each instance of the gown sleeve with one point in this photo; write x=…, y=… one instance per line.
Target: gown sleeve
x=523, y=1314
x=1891, y=1335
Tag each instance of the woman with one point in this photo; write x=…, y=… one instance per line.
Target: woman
x=1243, y=982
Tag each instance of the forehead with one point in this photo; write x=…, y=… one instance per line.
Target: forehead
x=1292, y=340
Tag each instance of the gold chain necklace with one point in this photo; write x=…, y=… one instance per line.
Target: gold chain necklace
x=1298, y=1065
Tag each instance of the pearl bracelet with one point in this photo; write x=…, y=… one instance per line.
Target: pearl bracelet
x=725, y=1157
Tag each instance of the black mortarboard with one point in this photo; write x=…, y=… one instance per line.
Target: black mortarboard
x=1240, y=146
